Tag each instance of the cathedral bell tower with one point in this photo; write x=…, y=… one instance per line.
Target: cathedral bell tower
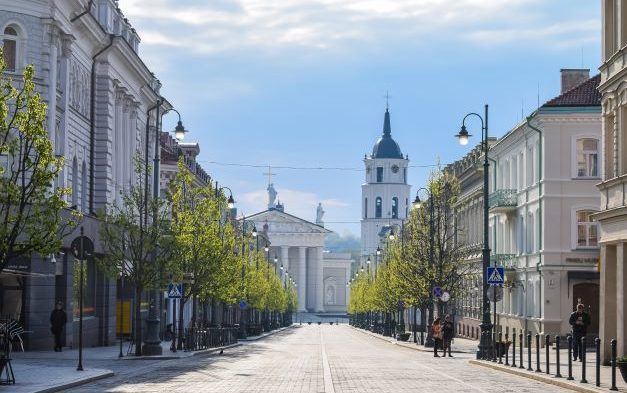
x=385, y=193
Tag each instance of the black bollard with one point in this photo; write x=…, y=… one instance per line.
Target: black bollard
x=514, y=348
x=570, y=358
x=597, y=342
x=613, y=361
x=499, y=346
x=506, y=350
x=494, y=353
x=547, y=344
x=583, y=360
x=521, y=340
x=538, y=369
x=558, y=339
x=529, y=368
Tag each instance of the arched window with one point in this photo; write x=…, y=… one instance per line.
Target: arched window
x=9, y=48
x=587, y=157
x=366, y=208
x=395, y=207
x=586, y=229
x=378, y=207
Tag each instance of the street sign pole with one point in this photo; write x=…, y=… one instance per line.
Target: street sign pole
x=80, y=303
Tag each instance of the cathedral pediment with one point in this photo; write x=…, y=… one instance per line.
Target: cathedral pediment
x=281, y=222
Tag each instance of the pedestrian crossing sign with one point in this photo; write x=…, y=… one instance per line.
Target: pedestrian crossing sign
x=496, y=275
x=175, y=291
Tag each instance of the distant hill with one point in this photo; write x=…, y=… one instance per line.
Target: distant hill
x=344, y=243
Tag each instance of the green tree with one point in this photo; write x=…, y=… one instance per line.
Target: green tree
x=31, y=206
x=136, y=242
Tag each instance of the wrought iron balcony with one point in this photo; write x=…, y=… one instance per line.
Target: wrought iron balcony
x=503, y=201
x=508, y=261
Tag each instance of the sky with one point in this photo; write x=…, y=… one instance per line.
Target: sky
x=300, y=84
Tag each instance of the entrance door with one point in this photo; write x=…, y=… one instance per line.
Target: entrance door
x=588, y=294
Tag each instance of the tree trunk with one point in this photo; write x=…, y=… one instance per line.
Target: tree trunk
x=138, y=321
x=181, y=333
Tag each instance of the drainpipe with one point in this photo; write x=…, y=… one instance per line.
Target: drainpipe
x=540, y=194
x=92, y=122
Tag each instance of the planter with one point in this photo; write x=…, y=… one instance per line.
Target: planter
x=403, y=336
x=308, y=322
x=622, y=366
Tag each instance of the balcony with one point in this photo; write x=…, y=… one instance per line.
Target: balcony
x=508, y=261
x=503, y=201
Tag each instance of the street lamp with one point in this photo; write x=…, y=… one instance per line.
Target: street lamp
x=485, y=345
x=391, y=237
x=417, y=204
x=152, y=342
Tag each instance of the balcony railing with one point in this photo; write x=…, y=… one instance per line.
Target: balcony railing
x=503, y=201
x=508, y=261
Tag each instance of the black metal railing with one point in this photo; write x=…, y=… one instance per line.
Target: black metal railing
x=196, y=339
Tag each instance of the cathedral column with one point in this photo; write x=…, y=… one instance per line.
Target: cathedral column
x=284, y=260
x=319, y=277
x=347, y=278
x=302, y=278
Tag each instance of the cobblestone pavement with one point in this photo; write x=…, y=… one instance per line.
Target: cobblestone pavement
x=312, y=358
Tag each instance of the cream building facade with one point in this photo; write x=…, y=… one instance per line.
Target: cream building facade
x=545, y=172
x=613, y=187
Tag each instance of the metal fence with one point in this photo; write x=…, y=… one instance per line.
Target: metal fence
x=210, y=337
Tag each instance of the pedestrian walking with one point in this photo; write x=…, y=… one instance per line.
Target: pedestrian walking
x=436, y=332
x=448, y=332
x=579, y=320
x=58, y=319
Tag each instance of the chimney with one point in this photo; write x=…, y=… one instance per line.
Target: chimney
x=572, y=77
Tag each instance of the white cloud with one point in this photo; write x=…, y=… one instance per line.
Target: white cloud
x=207, y=27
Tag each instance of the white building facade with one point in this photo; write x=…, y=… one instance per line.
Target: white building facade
x=613, y=214
x=385, y=193
x=542, y=200
x=98, y=92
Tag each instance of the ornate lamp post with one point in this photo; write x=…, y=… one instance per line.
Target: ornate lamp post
x=485, y=344
x=152, y=341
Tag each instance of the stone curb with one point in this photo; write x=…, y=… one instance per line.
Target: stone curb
x=74, y=384
x=190, y=354
x=394, y=342
x=266, y=334
x=540, y=378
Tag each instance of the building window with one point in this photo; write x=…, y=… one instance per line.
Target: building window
x=89, y=285
x=9, y=48
x=379, y=174
x=586, y=229
x=75, y=182
x=378, y=207
x=405, y=175
x=366, y=208
x=587, y=157
x=84, y=188
x=395, y=207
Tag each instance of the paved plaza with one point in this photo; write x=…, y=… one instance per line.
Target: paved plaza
x=316, y=358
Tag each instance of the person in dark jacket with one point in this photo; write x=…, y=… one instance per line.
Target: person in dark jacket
x=448, y=332
x=579, y=320
x=58, y=319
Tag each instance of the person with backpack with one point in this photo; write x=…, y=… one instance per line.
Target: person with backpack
x=579, y=320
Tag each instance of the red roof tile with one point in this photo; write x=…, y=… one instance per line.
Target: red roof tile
x=585, y=94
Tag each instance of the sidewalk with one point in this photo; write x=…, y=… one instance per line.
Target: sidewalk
x=48, y=371
x=575, y=384
x=459, y=345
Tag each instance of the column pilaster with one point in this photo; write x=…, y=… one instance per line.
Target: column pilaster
x=302, y=278
x=319, y=280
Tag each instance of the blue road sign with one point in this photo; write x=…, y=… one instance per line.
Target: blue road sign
x=496, y=276
x=242, y=305
x=437, y=292
x=175, y=291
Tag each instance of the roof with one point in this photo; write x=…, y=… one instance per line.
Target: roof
x=584, y=94
x=386, y=147
x=256, y=217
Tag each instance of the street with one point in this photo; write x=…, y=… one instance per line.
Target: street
x=312, y=358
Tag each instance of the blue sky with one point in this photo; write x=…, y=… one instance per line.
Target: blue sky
x=301, y=83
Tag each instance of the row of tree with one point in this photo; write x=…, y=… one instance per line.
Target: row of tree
x=148, y=241
x=428, y=252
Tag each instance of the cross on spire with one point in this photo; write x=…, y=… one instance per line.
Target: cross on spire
x=269, y=174
x=387, y=100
